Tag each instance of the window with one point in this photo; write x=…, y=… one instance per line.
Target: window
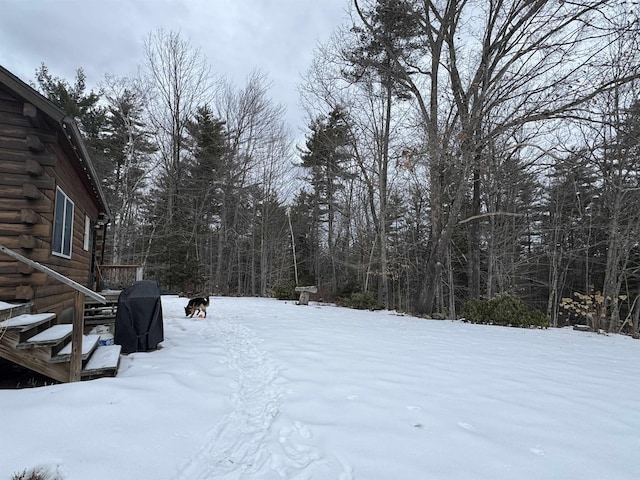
x=63, y=225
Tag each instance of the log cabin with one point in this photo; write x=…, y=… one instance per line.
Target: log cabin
x=53, y=214
x=53, y=208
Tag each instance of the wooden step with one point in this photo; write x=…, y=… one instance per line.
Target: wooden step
x=51, y=336
x=26, y=321
x=103, y=362
x=9, y=310
x=89, y=344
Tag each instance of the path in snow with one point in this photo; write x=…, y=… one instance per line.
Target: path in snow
x=248, y=442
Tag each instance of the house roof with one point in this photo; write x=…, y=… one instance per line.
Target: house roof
x=66, y=126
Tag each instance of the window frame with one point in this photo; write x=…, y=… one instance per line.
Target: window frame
x=62, y=236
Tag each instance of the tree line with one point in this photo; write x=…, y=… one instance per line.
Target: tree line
x=455, y=150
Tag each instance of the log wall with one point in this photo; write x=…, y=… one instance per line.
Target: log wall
x=35, y=158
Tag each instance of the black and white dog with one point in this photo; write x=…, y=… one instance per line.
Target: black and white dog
x=198, y=304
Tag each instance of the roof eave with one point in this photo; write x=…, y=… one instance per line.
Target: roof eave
x=66, y=123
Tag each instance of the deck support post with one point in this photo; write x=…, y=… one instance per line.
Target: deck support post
x=76, y=338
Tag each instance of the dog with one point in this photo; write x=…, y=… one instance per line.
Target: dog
x=196, y=305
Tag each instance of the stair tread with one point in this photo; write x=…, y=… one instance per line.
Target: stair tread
x=52, y=334
x=104, y=358
x=8, y=306
x=26, y=320
x=88, y=344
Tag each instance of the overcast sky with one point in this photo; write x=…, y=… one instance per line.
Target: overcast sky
x=106, y=36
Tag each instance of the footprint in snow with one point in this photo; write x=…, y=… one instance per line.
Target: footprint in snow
x=302, y=430
x=246, y=443
x=299, y=460
x=466, y=426
x=537, y=451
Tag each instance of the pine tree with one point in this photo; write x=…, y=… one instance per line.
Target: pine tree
x=208, y=140
x=327, y=150
x=84, y=107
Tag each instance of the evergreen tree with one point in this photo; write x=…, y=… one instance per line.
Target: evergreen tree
x=327, y=151
x=568, y=232
x=208, y=141
x=389, y=32
x=73, y=99
x=305, y=233
x=84, y=107
x=208, y=148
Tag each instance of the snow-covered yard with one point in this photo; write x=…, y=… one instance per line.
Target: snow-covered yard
x=263, y=389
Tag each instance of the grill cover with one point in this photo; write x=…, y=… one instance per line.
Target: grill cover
x=139, y=326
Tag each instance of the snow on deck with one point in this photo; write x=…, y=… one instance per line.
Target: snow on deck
x=105, y=357
x=26, y=319
x=52, y=334
x=88, y=343
x=7, y=306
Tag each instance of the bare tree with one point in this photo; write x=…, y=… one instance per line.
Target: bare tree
x=514, y=63
x=255, y=176
x=180, y=81
x=127, y=142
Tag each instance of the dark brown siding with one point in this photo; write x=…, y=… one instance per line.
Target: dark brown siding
x=33, y=161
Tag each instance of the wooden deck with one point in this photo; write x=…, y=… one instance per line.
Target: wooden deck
x=96, y=313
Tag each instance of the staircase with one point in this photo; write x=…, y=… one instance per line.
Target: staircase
x=35, y=341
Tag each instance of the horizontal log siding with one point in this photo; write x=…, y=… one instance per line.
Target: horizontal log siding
x=24, y=220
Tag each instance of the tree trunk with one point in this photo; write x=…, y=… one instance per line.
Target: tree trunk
x=383, y=288
x=473, y=266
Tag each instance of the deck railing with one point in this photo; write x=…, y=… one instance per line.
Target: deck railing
x=78, y=315
x=118, y=276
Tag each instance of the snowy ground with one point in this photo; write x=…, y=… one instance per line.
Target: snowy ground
x=263, y=389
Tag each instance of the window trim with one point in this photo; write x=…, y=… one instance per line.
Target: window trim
x=87, y=233
x=67, y=230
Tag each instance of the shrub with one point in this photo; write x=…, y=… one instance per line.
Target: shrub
x=35, y=474
x=348, y=288
x=591, y=308
x=477, y=310
x=507, y=310
x=285, y=291
x=362, y=301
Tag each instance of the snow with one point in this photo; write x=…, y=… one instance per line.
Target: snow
x=52, y=334
x=6, y=306
x=264, y=389
x=25, y=320
x=88, y=344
